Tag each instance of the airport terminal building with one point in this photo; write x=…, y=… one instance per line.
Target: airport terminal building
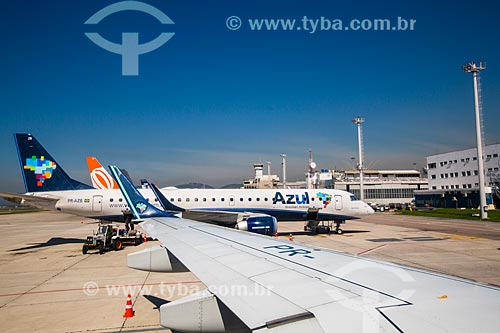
x=383, y=187
x=454, y=179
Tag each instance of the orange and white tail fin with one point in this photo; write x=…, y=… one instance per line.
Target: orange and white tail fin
x=101, y=179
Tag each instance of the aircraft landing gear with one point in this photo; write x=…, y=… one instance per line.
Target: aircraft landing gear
x=338, y=231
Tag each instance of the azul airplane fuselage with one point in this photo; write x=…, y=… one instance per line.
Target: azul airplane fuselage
x=284, y=204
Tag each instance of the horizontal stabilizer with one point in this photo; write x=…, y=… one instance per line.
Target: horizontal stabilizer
x=30, y=200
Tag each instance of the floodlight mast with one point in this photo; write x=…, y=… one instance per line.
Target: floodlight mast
x=358, y=121
x=474, y=68
x=283, y=164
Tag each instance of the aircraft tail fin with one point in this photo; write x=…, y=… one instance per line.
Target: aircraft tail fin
x=164, y=202
x=101, y=179
x=40, y=170
x=139, y=206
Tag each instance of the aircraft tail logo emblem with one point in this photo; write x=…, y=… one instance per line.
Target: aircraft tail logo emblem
x=141, y=207
x=42, y=168
x=101, y=179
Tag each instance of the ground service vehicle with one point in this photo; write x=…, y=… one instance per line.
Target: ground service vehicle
x=110, y=237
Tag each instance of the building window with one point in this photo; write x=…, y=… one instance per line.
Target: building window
x=463, y=173
x=431, y=165
x=474, y=158
x=464, y=185
x=433, y=176
x=456, y=174
x=476, y=173
x=434, y=187
x=495, y=155
x=462, y=160
x=469, y=185
x=468, y=173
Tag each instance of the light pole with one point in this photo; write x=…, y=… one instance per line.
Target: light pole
x=474, y=68
x=283, y=164
x=358, y=121
x=269, y=183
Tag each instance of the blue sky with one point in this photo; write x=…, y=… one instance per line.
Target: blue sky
x=211, y=101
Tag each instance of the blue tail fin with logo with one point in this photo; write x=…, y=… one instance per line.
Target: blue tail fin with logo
x=40, y=170
x=139, y=206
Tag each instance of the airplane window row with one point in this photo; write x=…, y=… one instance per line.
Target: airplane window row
x=221, y=199
x=205, y=199
x=121, y=199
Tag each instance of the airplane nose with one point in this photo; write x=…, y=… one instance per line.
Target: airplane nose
x=369, y=209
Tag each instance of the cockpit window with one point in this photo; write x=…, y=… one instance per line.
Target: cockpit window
x=354, y=198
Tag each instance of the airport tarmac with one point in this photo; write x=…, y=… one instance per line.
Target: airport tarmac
x=47, y=284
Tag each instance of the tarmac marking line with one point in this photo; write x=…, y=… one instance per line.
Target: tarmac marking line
x=372, y=249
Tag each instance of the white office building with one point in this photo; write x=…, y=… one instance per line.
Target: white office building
x=454, y=178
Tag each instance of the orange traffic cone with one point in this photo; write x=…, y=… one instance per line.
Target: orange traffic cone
x=276, y=235
x=145, y=238
x=290, y=238
x=129, y=312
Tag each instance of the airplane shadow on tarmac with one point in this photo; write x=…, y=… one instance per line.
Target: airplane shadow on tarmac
x=51, y=242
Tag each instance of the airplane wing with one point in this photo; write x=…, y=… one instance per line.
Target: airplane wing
x=262, y=284
x=281, y=286
x=31, y=200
